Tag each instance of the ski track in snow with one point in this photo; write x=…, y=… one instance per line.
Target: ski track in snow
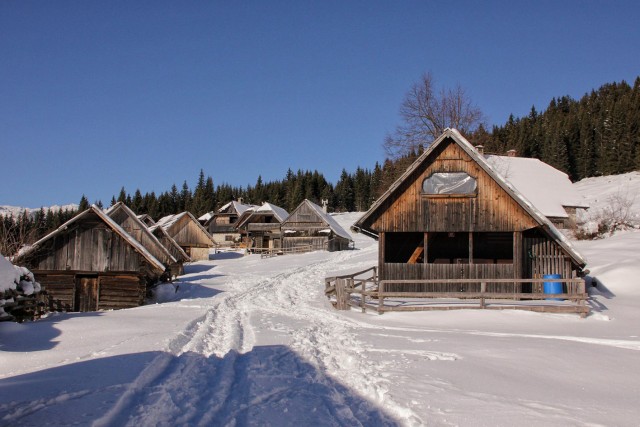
x=212, y=373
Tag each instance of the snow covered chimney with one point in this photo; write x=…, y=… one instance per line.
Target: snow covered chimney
x=240, y=200
x=512, y=153
x=480, y=149
x=325, y=203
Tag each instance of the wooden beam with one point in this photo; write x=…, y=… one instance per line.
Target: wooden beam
x=416, y=254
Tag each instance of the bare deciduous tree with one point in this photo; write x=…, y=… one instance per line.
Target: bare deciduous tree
x=427, y=113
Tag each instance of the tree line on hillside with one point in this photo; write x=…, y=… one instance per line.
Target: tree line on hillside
x=599, y=134
x=596, y=135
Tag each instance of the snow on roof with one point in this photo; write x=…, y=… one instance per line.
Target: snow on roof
x=240, y=208
x=278, y=212
x=547, y=188
x=330, y=221
x=111, y=223
x=169, y=220
x=206, y=217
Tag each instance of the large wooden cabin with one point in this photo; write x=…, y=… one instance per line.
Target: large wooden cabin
x=452, y=216
x=185, y=229
x=310, y=226
x=91, y=263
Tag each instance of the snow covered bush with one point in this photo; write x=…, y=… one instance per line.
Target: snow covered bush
x=616, y=215
x=19, y=293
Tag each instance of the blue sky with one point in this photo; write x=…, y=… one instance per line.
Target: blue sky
x=95, y=95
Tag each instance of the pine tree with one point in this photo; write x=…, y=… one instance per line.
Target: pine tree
x=84, y=204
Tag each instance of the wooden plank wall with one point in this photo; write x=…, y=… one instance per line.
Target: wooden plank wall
x=317, y=243
x=492, y=209
x=402, y=271
x=88, y=249
x=187, y=233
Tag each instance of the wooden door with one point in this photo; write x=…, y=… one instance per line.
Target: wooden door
x=86, y=295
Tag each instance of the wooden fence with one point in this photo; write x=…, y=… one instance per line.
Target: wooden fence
x=352, y=291
x=270, y=252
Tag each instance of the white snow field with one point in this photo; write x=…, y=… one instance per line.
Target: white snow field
x=252, y=341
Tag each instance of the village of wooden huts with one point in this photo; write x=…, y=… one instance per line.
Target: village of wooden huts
x=454, y=224
x=309, y=226
x=189, y=234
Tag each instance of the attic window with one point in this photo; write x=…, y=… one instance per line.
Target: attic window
x=450, y=184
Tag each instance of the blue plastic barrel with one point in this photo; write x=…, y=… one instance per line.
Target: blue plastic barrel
x=552, y=287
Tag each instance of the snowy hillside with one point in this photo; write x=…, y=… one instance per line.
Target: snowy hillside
x=252, y=341
x=16, y=211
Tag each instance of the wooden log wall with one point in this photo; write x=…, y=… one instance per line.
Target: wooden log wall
x=65, y=292
x=317, y=243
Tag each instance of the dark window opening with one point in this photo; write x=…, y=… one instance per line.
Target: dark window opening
x=493, y=248
x=400, y=247
x=448, y=248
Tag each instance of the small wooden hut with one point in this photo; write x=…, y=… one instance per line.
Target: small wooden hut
x=132, y=224
x=91, y=263
x=260, y=228
x=310, y=226
x=453, y=216
x=185, y=229
x=221, y=225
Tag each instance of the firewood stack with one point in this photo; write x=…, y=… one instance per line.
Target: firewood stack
x=21, y=297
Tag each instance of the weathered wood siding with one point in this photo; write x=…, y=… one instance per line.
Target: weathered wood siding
x=492, y=209
x=188, y=234
x=402, y=271
x=88, y=247
x=316, y=243
x=143, y=236
x=199, y=254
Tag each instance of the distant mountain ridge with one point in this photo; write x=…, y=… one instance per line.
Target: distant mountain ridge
x=16, y=211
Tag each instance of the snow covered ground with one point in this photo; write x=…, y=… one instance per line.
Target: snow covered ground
x=251, y=341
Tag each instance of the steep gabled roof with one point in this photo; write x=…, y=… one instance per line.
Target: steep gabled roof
x=325, y=217
x=454, y=135
x=168, y=222
x=278, y=213
x=93, y=209
x=235, y=207
x=159, y=231
x=150, y=240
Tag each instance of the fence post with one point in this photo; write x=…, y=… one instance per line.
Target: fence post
x=363, y=296
x=380, y=297
x=483, y=289
x=341, y=295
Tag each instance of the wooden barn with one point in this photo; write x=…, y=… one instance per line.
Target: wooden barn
x=127, y=219
x=260, y=227
x=452, y=216
x=221, y=225
x=91, y=263
x=185, y=229
x=310, y=226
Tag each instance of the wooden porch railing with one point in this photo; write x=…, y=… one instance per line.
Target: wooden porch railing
x=372, y=293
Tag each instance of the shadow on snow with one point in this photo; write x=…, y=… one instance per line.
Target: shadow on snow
x=270, y=385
